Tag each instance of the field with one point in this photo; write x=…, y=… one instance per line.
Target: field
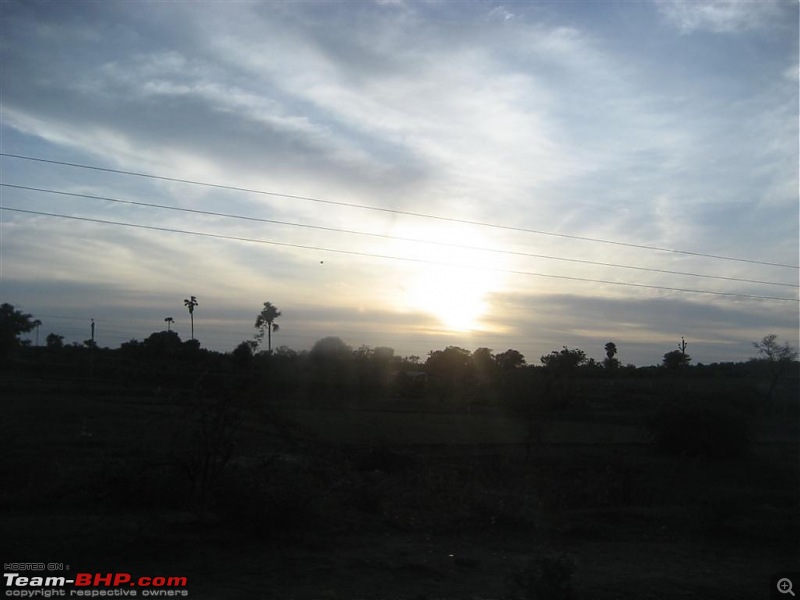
x=391, y=499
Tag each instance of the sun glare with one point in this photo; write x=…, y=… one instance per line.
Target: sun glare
x=453, y=283
x=451, y=295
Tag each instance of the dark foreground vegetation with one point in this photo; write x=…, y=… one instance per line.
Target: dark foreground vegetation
x=345, y=473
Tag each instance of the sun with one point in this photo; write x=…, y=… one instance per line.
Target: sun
x=451, y=282
x=452, y=295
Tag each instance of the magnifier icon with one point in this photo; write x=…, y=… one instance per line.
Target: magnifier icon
x=785, y=586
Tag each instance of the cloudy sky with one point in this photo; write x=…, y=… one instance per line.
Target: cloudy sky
x=519, y=175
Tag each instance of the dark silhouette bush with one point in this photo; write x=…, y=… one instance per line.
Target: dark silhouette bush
x=700, y=431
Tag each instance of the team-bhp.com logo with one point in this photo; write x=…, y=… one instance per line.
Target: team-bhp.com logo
x=93, y=585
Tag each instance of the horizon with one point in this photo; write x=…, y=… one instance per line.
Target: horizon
x=38, y=340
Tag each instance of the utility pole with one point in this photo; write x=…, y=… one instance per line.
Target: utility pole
x=91, y=355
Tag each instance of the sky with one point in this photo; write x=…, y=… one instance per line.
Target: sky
x=526, y=175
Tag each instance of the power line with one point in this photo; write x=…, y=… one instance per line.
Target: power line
x=391, y=237
x=395, y=211
x=389, y=257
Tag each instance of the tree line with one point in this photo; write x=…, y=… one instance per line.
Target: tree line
x=334, y=371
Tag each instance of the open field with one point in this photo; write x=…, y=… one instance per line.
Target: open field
x=389, y=502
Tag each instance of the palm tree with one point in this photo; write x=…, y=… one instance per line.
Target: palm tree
x=190, y=303
x=169, y=321
x=266, y=321
x=610, y=361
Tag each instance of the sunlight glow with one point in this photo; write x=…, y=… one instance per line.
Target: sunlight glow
x=454, y=296
x=455, y=286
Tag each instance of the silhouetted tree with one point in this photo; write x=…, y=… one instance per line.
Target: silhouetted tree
x=510, y=359
x=190, y=303
x=771, y=350
x=381, y=361
x=452, y=362
x=285, y=353
x=778, y=358
x=373, y=369
x=54, y=341
x=13, y=323
x=131, y=347
x=169, y=321
x=481, y=377
x=513, y=382
x=592, y=366
x=447, y=371
x=266, y=321
x=191, y=347
x=483, y=361
x=383, y=354
x=564, y=361
x=676, y=359
x=162, y=343
x=332, y=366
x=243, y=353
x=610, y=362
x=558, y=386
x=330, y=347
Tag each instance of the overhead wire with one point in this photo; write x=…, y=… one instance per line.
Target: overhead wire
x=390, y=257
x=395, y=211
x=391, y=237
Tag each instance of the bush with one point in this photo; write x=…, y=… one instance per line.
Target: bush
x=700, y=431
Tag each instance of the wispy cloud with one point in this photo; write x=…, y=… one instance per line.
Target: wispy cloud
x=529, y=115
x=722, y=16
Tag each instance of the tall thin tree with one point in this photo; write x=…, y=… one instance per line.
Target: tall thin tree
x=266, y=322
x=190, y=303
x=610, y=360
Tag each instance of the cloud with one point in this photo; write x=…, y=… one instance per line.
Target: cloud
x=721, y=16
x=718, y=331
x=545, y=121
x=501, y=13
